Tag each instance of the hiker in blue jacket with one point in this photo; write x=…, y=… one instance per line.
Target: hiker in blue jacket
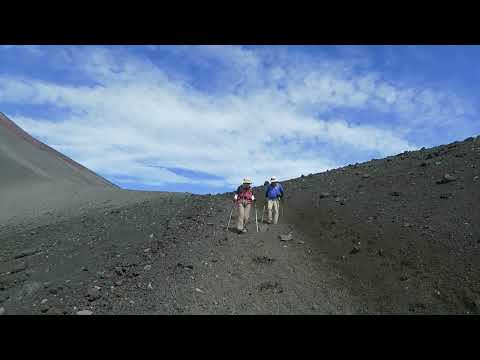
x=273, y=194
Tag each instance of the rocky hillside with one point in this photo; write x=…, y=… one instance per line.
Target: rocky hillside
x=397, y=235
x=404, y=230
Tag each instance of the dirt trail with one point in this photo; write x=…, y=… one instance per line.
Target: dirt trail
x=257, y=273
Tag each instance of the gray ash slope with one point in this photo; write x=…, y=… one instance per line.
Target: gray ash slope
x=385, y=236
x=35, y=178
x=24, y=160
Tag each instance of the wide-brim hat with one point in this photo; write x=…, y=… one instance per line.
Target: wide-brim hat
x=247, y=181
x=273, y=179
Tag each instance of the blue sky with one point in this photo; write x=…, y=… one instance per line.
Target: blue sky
x=200, y=118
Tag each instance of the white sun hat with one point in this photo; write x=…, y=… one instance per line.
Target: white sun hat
x=273, y=179
x=247, y=180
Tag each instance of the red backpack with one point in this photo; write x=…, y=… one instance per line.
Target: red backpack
x=245, y=193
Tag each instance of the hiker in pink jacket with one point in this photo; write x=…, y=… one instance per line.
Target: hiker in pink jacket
x=244, y=198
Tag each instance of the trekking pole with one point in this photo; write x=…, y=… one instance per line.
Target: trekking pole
x=256, y=219
x=279, y=210
x=230, y=218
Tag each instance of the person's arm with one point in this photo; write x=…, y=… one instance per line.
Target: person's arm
x=266, y=192
x=281, y=191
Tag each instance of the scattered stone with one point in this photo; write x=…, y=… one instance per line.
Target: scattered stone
x=146, y=250
x=93, y=294
x=26, y=253
x=286, y=237
x=269, y=285
x=84, y=312
x=2, y=311
x=189, y=267
x=446, y=196
x=106, y=275
x=365, y=176
x=44, y=309
x=394, y=193
x=263, y=260
x=324, y=195
x=56, y=311
x=44, y=301
x=423, y=164
x=407, y=225
x=355, y=250
x=447, y=178
x=53, y=291
x=18, y=268
x=147, y=267
x=31, y=288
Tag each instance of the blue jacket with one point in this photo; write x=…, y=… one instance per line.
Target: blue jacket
x=274, y=192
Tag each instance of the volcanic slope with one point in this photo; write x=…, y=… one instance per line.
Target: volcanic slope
x=35, y=179
x=396, y=235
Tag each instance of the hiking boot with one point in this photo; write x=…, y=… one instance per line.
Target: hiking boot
x=244, y=231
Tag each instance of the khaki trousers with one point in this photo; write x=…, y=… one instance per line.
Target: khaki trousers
x=243, y=214
x=275, y=205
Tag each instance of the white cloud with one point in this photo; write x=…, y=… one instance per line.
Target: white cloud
x=31, y=49
x=138, y=122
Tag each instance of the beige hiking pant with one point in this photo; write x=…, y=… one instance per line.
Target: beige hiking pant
x=243, y=214
x=275, y=205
